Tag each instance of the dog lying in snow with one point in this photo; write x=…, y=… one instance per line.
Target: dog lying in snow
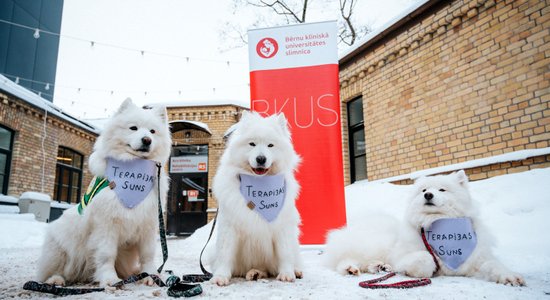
x=441, y=208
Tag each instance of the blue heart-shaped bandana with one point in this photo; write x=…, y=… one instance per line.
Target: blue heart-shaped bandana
x=453, y=240
x=133, y=179
x=264, y=194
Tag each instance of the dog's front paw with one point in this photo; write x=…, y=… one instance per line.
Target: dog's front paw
x=254, y=275
x=108, y=280
x=419, y=264
x=378, y=266
x=298, y=274
x=148, y=281
x=511, y=279
x=353, y=270
x=220, y=280
x=286, y=276
x=56, y=280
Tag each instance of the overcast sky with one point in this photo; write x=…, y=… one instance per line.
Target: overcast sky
x=92, y=81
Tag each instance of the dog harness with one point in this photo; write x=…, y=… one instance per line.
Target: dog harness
x=131, y=180
x=452, y=239
x=264, y=194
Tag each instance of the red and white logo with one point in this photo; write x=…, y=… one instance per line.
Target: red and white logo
x=267, y=48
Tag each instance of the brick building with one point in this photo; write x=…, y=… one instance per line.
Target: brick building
x=42, y=149
x=450, y=81
x=197, y=145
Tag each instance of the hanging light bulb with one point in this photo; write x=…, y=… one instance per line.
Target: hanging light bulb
x=47, y=88
x=36, y=33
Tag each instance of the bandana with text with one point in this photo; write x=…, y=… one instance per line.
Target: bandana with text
x=133, y=179
x=453, y=240
x=264, y=194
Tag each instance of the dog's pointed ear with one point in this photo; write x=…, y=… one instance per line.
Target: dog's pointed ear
x=162, y=113
x=282, y=121
x=245, y=115
x=125, y=105
x=462, y=177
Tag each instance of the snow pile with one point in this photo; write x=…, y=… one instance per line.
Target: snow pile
x=516, y=208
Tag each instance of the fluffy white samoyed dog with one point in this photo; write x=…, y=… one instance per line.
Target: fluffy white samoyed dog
x=110, y=239
x=256, y=190
x=441, y=208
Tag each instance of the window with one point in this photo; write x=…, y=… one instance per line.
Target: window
x=68, y=175
x=356, y=131
x=6, y=142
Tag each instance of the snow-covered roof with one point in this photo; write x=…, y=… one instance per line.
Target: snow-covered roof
x=210, y=102
x=199, y=125
x=506, y=157
x=383, y=30
x=33, y=99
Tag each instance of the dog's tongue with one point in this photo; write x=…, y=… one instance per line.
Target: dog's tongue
x=260, y=171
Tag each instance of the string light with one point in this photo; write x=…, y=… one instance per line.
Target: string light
x=48, y=86
x=37, y=32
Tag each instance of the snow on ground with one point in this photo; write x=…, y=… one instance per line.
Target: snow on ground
x=516, y=209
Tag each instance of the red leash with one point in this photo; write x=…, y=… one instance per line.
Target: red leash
x=407, y=284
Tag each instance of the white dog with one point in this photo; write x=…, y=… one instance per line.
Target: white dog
x=442, y=206
x=113, y=236
x=256, y=191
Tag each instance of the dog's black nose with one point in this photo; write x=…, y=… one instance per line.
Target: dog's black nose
x=146, y=141
x=428, y=196
x=261, y=160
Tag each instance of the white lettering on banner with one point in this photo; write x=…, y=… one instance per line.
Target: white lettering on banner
x=293, y=117
x=189, y=164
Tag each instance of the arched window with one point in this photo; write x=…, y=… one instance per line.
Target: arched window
x=68, y=175
x=6, y=144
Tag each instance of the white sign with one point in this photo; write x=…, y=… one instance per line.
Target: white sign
x=293, y=46
x=189, y=164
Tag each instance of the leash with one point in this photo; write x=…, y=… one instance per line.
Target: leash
x=205, y=276
x=374, y=283
x=407, y=284
x=176, y=287
x=430, y=249
x=162, y=230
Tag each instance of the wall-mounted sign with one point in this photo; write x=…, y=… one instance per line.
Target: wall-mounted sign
x=189, y=164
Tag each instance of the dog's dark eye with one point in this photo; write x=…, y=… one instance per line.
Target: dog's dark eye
x=270, y=145
x=152, y=131
x=424, y=190
x=134, y=128
x=252, y=144
x=441, y=190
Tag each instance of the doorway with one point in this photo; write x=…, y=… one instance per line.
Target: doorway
x=188, y=195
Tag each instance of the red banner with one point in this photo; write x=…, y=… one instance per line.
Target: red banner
x=294, y=70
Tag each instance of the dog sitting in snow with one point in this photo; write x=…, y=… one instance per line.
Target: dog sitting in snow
x=112, y=235
x=443, y=209
x=442, y=212
x=256, y=190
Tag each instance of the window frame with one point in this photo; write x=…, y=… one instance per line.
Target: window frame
x=8, y=153
x=352, y=129
x=60, y=168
